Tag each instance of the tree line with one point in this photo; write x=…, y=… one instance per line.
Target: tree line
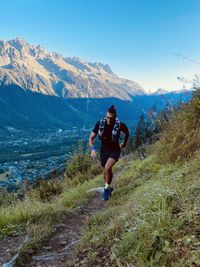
x=149, y=126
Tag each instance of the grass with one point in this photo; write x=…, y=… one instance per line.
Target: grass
x=35, y=218
x=181, y=137
x=32, y=208
x=152, y=218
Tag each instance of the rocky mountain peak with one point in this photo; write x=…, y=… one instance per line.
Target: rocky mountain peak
x=35, y=69
x=101, y=66
x=20, y=45
x=4, y=45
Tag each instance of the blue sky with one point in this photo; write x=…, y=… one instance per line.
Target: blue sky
x=137, y=38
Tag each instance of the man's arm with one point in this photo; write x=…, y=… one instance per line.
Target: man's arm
x=126, y=131
x=91, y=138
x=91, y=144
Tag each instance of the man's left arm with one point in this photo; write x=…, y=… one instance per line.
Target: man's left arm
x=125, y=130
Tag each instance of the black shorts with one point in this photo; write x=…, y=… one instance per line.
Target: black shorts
x=109, y=154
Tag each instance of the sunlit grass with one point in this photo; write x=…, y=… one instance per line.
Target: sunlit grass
x=150, y=216
x=32, y=208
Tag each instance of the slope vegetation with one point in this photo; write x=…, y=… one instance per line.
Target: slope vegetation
x=152, y=218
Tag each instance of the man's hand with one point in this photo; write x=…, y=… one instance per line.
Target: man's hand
x=122, y=145
x=94, y=154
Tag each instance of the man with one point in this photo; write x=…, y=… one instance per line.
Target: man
x=108, y=130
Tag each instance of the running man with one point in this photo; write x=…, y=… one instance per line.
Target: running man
x=108, y=130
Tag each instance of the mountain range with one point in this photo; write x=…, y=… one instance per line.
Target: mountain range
x=43, y=89
x=35, y=69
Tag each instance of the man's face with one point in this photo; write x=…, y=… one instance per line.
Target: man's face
x=110, y=118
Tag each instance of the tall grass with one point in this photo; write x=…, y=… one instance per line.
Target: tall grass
x=181, y=137
x=152, y=218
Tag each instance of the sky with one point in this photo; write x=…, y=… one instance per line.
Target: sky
x=148, y=41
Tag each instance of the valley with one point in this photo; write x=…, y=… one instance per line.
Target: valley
x=36, y=153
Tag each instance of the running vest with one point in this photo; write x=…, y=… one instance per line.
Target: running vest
x=115, y=130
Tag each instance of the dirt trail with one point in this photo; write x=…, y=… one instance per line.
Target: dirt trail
x=60, y=246
x=9, y=244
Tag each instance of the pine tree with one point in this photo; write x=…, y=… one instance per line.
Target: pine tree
x=139, y=138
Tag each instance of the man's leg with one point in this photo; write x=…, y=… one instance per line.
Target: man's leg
x=108, y=175
x=105, y=176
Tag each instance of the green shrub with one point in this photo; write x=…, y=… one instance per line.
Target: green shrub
x=46, y=189
x=81, y=166
x=79, y=162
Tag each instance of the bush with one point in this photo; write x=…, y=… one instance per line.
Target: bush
x=46, y=189
x=81, y=167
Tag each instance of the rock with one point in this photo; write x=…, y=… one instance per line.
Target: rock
x=97, y=189
x=11, y=262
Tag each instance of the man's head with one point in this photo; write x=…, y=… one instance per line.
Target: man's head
x=111, y=115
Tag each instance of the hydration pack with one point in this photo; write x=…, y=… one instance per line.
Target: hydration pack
x=115, y=130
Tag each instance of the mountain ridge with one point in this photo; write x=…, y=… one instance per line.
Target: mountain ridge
x=45, y=89
x=35, y=69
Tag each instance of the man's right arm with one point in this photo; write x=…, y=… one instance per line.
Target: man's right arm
x=91, y=144
x=91, y=140
x=124, y=129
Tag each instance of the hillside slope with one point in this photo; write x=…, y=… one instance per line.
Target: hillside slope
x=152, y=218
